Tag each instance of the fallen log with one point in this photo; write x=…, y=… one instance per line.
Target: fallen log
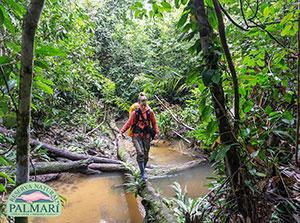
x=156, y=210
x=81, y=166
x=103, y=167
x=181, y=136
x=45, y=177
x=71, y=155
x=166, y=171
x=62, y=152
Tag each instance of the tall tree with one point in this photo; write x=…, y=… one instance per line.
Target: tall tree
x=221, y=28
x=298, y=94
x=227, y=135
x=30, y=23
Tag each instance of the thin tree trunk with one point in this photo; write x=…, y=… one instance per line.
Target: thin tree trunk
x=30, y=23
x=222, y=34
x=298, y=97
x=227, y=135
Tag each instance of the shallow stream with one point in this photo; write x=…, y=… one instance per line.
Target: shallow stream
x=96, y=199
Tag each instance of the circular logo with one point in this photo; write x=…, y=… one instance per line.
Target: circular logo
x=33, y=199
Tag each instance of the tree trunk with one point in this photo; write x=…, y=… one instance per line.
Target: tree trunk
x=222, y=34
x=30, y=23
x=227, y=135
x=298, y=97
x=225, y=130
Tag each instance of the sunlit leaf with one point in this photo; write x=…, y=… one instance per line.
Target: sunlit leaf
x=49, y=51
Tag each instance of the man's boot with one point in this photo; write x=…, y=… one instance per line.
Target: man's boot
x=142, y=169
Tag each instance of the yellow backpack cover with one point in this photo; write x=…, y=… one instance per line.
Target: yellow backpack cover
x=131, y=109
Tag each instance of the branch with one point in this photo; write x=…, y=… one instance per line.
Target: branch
x=231, y=19
x=242, y=11
x=174, y=117
x=181, y=136
x=221, y=28
x=104, y=117
x=256, y=25
x=8, y=90
x=256, y=9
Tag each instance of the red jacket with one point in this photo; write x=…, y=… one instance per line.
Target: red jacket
x=132, y=120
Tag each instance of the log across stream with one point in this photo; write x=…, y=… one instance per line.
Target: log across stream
x=99, y=199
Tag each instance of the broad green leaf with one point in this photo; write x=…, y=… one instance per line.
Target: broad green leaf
x=41, y=64
x=49, y=51
x=2, y=188
x=44, y=87
x=4, y=175
x=182, y=20
x=210, y=76
x=286, y=29
x=184, y=1
x=17, y=8
x=286, y=18
x=1, y=17
x=266, y=11
x=177, y=4
x=4, y=59
x=138, y=5
x=166, y=5
x=15, y=47
x=221, y=153
x=3, y=161
x=248, y=106
x=211, y=127
x=7, y=20
x=216, y=78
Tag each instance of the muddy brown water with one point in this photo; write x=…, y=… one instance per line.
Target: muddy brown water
x=96, y=199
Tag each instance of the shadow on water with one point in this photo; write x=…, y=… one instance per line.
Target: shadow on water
x=95, y=199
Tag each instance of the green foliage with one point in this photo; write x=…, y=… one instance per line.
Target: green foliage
x=7, y=166
x=165, y=123
x=92, y=59
x=65, y=71
x=140, y=53
x=185, y=208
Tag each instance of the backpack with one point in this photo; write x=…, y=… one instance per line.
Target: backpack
x=149, y=127
x=132, y=108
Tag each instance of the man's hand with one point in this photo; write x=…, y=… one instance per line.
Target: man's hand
x=156, y=137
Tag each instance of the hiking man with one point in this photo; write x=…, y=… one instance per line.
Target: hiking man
x=144, y=128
